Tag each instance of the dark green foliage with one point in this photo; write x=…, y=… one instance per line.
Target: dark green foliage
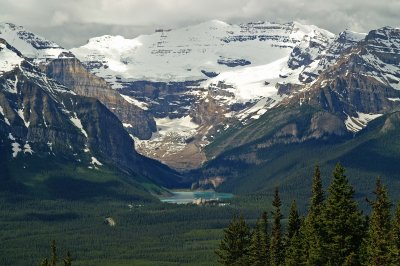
x=312, y=230
x=292, y=238
x=334, y=232
x=277, y=247
x=396, y=237
x=378, y=240
x=234, y=247
x=294, y=221
x=295, y=250
x=373, y=152
x=343, y=224
x=259, y=247
x=317, y=196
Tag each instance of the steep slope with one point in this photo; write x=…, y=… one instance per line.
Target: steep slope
x=30, y=44
x=44, y=122
x=71, y=73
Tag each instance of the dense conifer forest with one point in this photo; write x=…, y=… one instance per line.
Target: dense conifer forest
x=333, y=232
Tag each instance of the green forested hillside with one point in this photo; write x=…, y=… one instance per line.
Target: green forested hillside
x=256, y=167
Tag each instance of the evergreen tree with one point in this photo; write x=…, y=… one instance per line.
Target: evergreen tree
x=295, y=252
x=277, y=248
x=234, y=247
x=259, y=250
x=292, y=244
x=396, y=237
x=294, y=221
x=264, y=218
x=378, y=239
x=317, y=196
x=311, y=231
x=343, y=224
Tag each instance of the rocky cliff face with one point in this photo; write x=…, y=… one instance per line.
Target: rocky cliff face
x=71, y=73
x=363, y=81
x=41, y=118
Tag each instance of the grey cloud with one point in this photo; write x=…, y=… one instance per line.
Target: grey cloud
x=72, y=22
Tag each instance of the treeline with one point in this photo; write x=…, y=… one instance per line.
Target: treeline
x=334, y=231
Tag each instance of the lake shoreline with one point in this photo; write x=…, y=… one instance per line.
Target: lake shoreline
x=198, y=197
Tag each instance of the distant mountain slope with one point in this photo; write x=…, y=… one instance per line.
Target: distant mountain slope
x=280, y=159
x=348, y=113
x=41, y=120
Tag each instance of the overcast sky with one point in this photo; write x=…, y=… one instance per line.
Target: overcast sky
x=71, y=22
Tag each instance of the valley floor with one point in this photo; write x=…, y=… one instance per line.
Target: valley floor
x=145, y=233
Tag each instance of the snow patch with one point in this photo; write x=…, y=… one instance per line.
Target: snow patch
x=16, y=148
x=95, y=161
x=394, y=99
x=135, y=102
x=8, y=59
x=127, y=125
x=77, y=122
x=4, y=116
x=172, y=133
x=28, y=43
x=27, y=148
x=20, y=112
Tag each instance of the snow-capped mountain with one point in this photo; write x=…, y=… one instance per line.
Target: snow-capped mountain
x=363, y=82
x=40, y=119
x=29, y=44
x=62, y=66
x=200, y=81
x=210, y=73
x=190, y=53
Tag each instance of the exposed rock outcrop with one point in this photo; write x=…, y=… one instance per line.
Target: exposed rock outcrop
x=71, y=73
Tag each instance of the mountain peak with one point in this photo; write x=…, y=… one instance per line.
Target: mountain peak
x=29, y=44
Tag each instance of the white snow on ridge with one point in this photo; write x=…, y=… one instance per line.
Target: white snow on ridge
x=181, y=54
x=8, y=59
x=133, y=101
x=353, y=36
x=355, y=124
x=29, y=44
x=4, y=116
x=256, y=82
x=77, y=122
x=20, y=113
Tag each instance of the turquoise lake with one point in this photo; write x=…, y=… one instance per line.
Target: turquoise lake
x=185, y=197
